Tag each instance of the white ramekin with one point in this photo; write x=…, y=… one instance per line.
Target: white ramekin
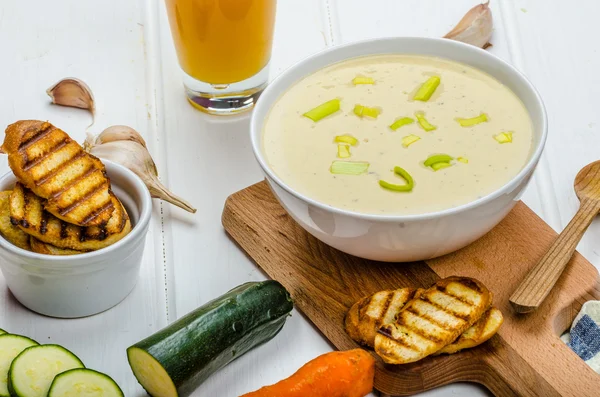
x=394, y=238
x=86, y=284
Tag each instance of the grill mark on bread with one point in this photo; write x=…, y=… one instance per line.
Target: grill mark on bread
x=89, y=171
x=471, y=285
x=93, y=215
x=405, y=344
x=30, y=163
x=51, y=230
x=483, y=329
x=433, y=325
x=63, y=229
x=367, y=315
x=366, y=319
x=401, y=342
x=385, y=307
x=428, y=317
x=77, y=203
x=385, y=330
x=446, y=310
x=44, y=223
x=46, y=129
x=61, y=167
x=466, y=302
x=419, y=331
x=45, y=159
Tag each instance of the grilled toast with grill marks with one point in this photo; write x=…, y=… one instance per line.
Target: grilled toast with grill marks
x=48, y=249
x=47, y=161
x=27, y=211
x=481, y=331
x=434, y=319
x=10, y=232
x=367, y=315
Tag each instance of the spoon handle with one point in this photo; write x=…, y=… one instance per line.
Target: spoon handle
x=538, y=283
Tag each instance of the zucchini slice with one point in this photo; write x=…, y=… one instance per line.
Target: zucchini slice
x=10, y=347
x=33, y=370
x=84, y=382
x=176, y=360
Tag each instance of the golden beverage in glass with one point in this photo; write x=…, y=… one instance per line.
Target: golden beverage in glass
x=224, y=48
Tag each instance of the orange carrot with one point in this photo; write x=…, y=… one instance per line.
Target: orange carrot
x=336, y=374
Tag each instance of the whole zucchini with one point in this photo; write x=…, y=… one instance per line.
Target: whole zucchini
x=176, y=360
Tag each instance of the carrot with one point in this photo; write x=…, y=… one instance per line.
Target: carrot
x=336, y=374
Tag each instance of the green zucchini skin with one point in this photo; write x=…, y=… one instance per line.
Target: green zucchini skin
x=89, y=378
x=2, y=331
x=210, y=337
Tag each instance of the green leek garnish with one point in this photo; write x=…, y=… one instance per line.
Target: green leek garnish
x=482, y=118
x=427, y=89
x=362, y=111
x=504, y=137
x=349, y=139
x=402, y=173
x=323, y=110
x=423, y=122
x=409, y=140
x=440, y=165
x=401, y=122
x=463, y=160
x=349, y=167
x=362, y=80
x=343, y=151
x=437, y=158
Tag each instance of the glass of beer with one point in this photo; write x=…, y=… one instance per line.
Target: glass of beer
x=224, y=49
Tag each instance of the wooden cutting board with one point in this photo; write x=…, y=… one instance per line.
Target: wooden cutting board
x=526, y=357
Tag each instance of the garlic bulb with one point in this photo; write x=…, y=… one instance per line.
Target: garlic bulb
x=120, y=133
x=475, y=27
x=125, y=146
x=73, y=92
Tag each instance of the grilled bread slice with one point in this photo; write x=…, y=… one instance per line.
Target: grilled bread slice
x=367, y=315
x=47, y=161
x=481, y=331
x=27, y=211
x=434, y=319
x=10, y=232
x=44, y=248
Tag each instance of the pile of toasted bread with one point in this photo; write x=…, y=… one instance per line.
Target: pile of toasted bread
x=408, y=324
x=62, y=203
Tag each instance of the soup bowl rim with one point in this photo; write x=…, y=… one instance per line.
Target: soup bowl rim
x=278, y=87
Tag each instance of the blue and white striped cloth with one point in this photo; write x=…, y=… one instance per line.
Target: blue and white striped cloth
x=584, y=336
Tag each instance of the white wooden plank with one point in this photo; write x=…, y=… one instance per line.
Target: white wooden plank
x=555, y=45
x=102, y=43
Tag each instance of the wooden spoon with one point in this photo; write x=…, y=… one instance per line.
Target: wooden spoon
x=539, y=281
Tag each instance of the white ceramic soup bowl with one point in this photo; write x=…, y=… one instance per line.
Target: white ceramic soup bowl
x=82, y=285
x=402, y=238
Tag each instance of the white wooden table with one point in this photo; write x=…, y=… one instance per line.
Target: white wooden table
x=123, y=50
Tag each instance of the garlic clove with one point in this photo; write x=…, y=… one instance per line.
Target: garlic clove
x=475, y=27
x=120, y=133
x=125, y=146
x=73, y=92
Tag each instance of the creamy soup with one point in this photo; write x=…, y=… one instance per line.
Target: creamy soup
x=482, y=132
